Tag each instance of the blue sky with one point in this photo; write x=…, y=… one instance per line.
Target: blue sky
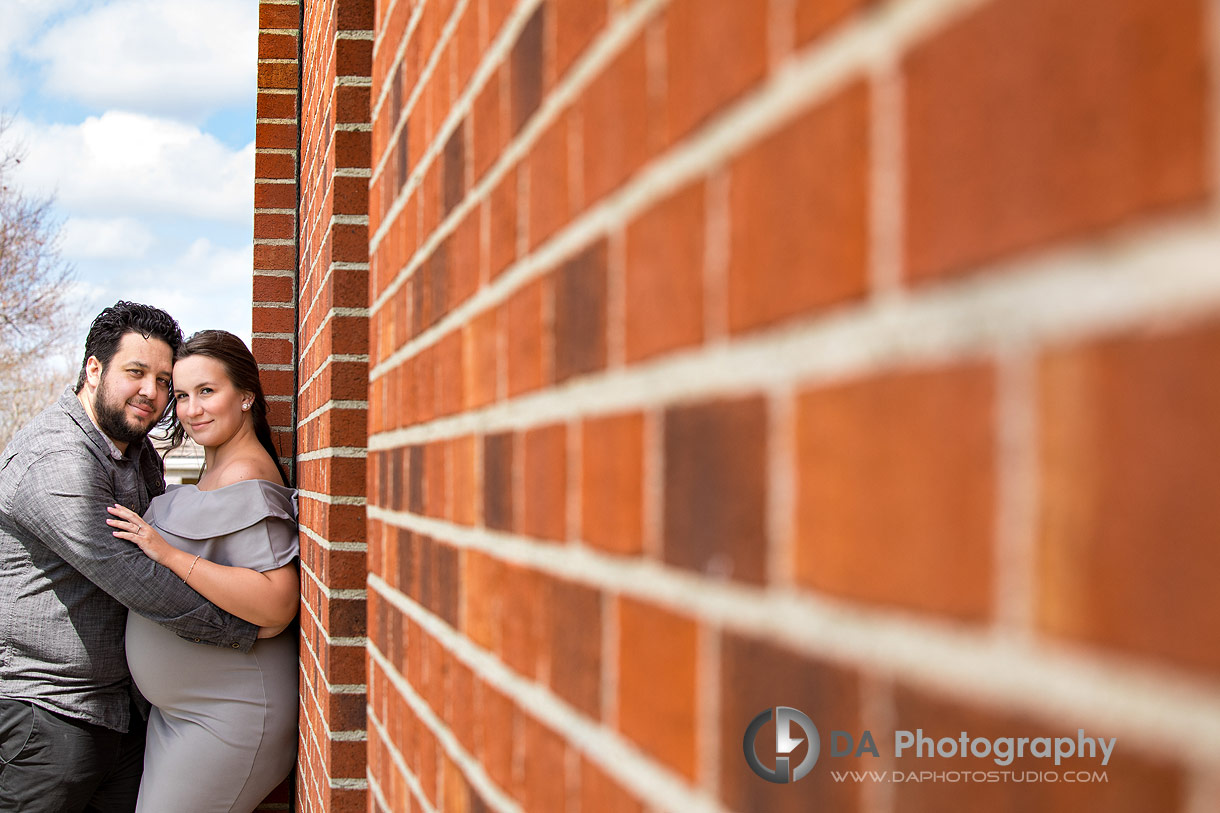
x=138, y=116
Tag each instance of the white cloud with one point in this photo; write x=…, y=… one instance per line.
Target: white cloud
x=120, y=238
x=152, y=203
x=184, y=59
x=22, y=18
x=208, y=286
x=204, y=287
x=81, y=298
x=126, y=163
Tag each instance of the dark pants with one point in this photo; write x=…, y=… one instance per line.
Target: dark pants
x=54, y=764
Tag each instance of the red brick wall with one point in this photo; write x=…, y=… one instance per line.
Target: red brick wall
x=274, y=340
x=332, y=399
x=275, y=229
x=853, y=356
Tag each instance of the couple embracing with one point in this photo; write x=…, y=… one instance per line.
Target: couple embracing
x=89, y=532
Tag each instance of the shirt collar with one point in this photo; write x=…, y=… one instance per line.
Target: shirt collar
x=72, y=405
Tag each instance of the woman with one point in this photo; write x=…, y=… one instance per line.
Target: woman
x=222, y=733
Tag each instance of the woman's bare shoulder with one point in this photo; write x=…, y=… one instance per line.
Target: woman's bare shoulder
x=248, y=467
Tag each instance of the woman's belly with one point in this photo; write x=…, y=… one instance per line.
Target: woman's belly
x=177, y=674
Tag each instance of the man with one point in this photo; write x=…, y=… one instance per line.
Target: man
x=71, y=728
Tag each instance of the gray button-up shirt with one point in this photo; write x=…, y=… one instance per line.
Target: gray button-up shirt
x=66, y=582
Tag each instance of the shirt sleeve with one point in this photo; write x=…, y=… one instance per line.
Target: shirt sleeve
x=62, y=500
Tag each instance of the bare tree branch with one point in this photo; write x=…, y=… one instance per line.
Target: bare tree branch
x=36, y=318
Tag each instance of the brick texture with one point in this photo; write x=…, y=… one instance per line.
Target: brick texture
x=895, y=490
x=755, y=675
x=1138, y=782
x=1062, y=155
x=800, y=215
x=664, y=275
x=648, y=366
x=657, y=651
x=1118, y=414
x=275, y=340
x=715, y=488
x=322, y=354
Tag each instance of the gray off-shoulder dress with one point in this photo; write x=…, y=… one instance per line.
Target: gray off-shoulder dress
x=223, y=730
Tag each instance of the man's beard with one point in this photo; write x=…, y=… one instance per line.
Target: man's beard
x=115, y=422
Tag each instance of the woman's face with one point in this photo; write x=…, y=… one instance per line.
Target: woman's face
x=206, y=402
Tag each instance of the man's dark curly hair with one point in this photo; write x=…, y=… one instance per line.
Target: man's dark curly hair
x=115, y=322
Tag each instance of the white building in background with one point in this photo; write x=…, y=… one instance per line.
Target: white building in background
x=184, y=464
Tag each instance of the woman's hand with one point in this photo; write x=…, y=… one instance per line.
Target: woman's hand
x=131, y=526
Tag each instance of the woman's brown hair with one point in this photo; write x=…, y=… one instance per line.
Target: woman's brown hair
x=242, y=371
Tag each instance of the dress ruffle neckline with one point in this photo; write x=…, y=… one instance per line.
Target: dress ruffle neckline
x=198, y=514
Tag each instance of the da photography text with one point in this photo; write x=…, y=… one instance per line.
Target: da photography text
x=793, y=727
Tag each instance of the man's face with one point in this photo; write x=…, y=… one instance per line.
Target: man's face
x=133, y=390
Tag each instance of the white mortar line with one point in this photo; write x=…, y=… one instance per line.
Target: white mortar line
x=609, y=682
x=347, y=784
x=331, y=314
x=444, y=33
x=380, y=26
x=331, y=452
x=755, y=117
x=328, y=499
x=718, y=227
x=355, y=547
x=1203, y=785
x=610, y=751
x=598, y=54
x=652, y=482
x=408, y=775
x=1158, y=707
x=886, y=171
x=1065, y=295
x=879, y=713
x=328, y=406
x=338, y=594
x=341, y=735
x=800, y=83
x=1016, y=473
x=707, y=707
x=471, y=768
x=573, y=461
x=331, y=358
x=781, y=500
x=338, y=688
